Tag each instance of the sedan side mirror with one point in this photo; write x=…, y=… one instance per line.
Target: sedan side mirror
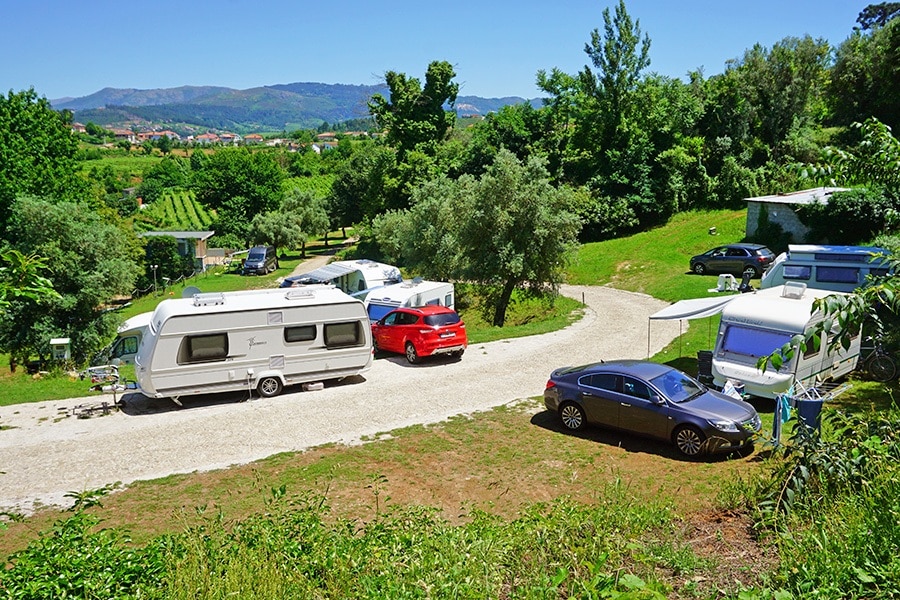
x=657, y=399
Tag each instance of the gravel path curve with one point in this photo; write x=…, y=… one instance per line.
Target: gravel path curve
x=46, y=452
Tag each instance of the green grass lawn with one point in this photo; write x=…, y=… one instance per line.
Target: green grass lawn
x=656, y=262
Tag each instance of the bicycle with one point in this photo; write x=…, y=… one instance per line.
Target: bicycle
x=877, y=362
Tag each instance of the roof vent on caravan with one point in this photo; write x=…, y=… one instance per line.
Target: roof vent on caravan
x=298, y=293
x=793, y=289
x=209, y=299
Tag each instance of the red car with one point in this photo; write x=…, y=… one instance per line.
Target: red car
x=418, y=332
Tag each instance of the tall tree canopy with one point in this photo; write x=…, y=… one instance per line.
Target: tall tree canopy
x=878, y=15
x=866, y=76
x=37, y=152
x=415, y=115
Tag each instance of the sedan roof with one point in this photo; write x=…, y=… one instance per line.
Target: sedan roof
x=639, y=368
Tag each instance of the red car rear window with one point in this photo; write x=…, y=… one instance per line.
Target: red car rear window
x=442, y=319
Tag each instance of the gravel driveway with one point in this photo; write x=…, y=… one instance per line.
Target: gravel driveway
x=46, y=452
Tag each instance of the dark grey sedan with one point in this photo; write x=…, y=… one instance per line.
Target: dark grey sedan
x=653, y=400
x=736, y=259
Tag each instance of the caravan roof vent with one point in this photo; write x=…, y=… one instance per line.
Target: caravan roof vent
x=793, y=289
x=299, y=293
x=209, y=299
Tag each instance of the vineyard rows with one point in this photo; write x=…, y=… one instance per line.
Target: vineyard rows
x=176, y=210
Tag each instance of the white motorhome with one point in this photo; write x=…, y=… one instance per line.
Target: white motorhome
x=355, y=277
x=261, y=339
x=837, y=268
x=418, y=292
x=756, y=324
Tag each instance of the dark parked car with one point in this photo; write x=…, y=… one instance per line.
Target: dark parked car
x=653, y=400
x=261, y=260
x=418, y=332
x=736, y=259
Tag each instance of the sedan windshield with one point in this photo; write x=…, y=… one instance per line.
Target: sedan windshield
x=677, y=386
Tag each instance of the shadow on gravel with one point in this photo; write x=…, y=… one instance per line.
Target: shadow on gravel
x=137, y=404
x=627, y=441
x=423, y=363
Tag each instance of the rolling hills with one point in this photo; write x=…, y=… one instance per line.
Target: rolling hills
x=281, y=107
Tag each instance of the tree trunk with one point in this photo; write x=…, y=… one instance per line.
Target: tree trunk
x=503, y=302
x=302, y=249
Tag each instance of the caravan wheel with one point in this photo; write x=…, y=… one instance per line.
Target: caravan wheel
x=269, y=386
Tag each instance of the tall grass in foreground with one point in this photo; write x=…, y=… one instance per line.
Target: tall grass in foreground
x=295, y=550
x=832, y=508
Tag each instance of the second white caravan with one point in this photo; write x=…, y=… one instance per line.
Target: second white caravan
x=381, y=301
x=262, y=340
x=837, y=268
x=756, y=324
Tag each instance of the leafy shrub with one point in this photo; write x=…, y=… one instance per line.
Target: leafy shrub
x=76, y=560
x=834, y=505
x=850, y=217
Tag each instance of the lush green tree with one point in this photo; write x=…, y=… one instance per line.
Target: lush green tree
x=90, y=260
x=878, y=15
x=415, y=116
x=364, y=185
x=164, y=143
x=37, y=152
x=239, y=185
x=302, y=215
x=611, y=145
x=865, y=77
x=510, y=229
x=518, y=231
x=519, y=128
x=619, y=55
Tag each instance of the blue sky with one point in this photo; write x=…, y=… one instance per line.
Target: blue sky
x=75, y=48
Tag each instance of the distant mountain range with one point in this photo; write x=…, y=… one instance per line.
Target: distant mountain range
x=283, y=107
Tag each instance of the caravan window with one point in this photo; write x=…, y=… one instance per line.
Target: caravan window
x=797, y=272
x=752, y=341
x=837, y=274
x=300, y=333
x=125, y=346
x=341, y=335
x=203, y=348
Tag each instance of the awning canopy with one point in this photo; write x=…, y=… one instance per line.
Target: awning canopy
x=324, y=274
x=694, y=308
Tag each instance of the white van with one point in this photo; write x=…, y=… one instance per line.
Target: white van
x=418, y=292
x=837, y=268
x=354, y=277
x=756, y=324
x=260, y=339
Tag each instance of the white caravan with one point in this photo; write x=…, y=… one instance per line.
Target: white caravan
x=756, y=324
x=837, y=268
x=260, y=339
x=355, y=277
x=418, y=292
